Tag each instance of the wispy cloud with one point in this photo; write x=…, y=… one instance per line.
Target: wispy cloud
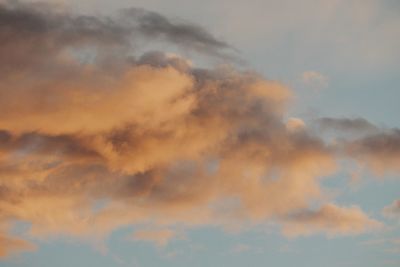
x=315, y=80
x=392, y=211
x=159, y=237
x=154, y=25
x=9, y=245
x=357, y=125
x=332, y=219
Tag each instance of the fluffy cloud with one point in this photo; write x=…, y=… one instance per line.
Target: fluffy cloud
x=94, y=138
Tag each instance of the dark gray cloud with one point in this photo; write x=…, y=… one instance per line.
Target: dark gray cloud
x=30, y=33
x=380, y=151
x=189, y=35
x=372, y=146
x=384, y=143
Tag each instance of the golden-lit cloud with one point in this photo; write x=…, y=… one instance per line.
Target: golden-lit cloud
x=9, y=245
x=94, y=137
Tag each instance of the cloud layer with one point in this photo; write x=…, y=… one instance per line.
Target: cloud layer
x=94, y=137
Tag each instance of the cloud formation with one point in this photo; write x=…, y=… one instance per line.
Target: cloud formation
x=332, y=219
x=374, y=147
x=392, y=210
x=10, y=245
x=154, y=25
x=94, y=137
x=356, y=125
x=379, y=151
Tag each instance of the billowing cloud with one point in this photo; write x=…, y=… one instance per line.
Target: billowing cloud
x=94, y=137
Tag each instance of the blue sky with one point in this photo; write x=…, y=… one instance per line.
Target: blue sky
x=261, y=133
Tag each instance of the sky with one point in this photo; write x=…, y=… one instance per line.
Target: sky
x=145, y=133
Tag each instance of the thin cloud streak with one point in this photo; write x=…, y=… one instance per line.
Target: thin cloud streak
x=332, y=219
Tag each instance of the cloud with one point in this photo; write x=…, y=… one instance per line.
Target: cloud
x=295, y=124
x=356, y=125
x=119, y=139
x=315, y=79
x=373, y=147
x=379, y=151
x=332, y=219
x=154, y=25
x=32, y=32
x=160, y=237
x=392, y=210
x=343, y=33
x=10, y=245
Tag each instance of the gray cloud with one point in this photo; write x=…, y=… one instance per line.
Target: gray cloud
x=392, y=210
x=32, y=33
x=372, y=146
x=154, y=25
x=333, y=219
x=355, y=125
x=380, y=151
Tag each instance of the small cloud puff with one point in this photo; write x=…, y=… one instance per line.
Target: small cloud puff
x=315, y=80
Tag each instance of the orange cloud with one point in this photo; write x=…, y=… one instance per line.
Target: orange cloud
x=10, y=245
x=87, y=147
